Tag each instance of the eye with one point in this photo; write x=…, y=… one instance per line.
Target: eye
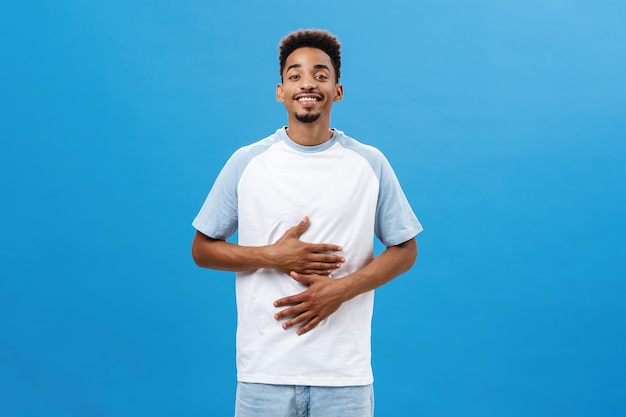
x=321, y=77
x=294, y=77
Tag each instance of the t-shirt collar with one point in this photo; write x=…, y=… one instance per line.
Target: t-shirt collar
x=282, y=132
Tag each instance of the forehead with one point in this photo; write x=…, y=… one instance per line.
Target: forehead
x=308, y=58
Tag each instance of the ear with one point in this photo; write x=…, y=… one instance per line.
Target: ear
x=280, y=95
x=338, y=93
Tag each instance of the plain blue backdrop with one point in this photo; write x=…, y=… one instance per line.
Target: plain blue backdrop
x=505, y=122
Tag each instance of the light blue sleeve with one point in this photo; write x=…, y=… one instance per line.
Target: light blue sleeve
x=395, y=220
x=218, y=217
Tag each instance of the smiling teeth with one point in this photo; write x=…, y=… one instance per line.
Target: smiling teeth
x=307, y=99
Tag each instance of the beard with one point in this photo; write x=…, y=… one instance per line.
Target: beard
x=308, y=117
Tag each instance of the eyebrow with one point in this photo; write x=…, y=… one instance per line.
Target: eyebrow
x=318, y=66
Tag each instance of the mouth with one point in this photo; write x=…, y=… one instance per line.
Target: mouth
x=308, y=99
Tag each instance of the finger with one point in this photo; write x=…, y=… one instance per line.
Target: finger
x=326, y=247
x=327, y=258
x=303, y=318
x=318, y=268
x=292, y=300
x=302, y=278
x=324, y=272
x=309, y=326
x=292, y=311
x=306, y=279
x=302, y=226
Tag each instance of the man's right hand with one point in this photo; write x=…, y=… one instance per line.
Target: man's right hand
x=289, y=253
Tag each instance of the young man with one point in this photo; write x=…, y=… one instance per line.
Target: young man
x=307, y=202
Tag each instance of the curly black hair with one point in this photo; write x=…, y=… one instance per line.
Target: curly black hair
x=312, y=38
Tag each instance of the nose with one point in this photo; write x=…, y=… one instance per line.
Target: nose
x=308, y=83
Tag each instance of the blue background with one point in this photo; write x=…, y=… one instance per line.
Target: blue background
x=505, y=122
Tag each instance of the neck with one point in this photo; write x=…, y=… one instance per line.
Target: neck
x=309, y=134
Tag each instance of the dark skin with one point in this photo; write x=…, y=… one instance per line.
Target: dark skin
x=288, y=254
x=310, y=264
x=309, y=88
x=325, y=295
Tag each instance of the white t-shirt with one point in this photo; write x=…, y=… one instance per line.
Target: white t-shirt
x=351, y=194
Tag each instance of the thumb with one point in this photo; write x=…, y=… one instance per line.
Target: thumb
x=301, y=278
x=302, y=226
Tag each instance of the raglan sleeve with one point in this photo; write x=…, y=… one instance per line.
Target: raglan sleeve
x=218, y=216
x=395, y=220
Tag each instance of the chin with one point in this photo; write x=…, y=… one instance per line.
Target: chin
x=307, y=118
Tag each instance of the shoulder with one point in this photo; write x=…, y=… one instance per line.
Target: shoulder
x=242, y=156
x=370, y=153
x=257, y=148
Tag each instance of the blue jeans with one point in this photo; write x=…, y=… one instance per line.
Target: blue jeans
x=264, y=400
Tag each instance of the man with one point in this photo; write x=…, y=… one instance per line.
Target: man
x=307, y=202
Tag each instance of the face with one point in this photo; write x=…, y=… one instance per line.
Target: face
x=309, y=86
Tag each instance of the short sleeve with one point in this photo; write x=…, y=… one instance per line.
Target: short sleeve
x=217, y=217
x=395, y=220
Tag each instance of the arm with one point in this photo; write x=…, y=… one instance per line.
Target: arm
x=287, y=254
x=325, y=295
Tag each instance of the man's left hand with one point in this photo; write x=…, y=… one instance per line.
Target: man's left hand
x=322, y=298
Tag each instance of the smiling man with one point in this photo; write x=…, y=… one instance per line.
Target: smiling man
x=307, y=202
